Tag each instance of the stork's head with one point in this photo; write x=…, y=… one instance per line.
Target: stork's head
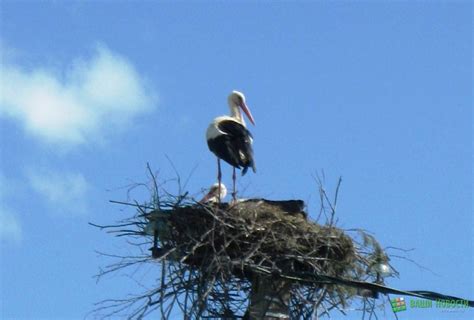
x=213, y=195
x=237, y=100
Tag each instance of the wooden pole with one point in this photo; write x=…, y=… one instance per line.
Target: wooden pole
x=269, y=299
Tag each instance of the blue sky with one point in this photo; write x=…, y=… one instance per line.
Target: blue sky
x=378, y=93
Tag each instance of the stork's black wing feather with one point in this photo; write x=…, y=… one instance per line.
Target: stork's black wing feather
x=234, y=128
x=238, y=141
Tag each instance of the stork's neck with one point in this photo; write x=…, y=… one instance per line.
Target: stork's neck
x=235, y=113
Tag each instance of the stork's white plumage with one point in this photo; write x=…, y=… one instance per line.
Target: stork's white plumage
x=216, y=194
x=230, y=140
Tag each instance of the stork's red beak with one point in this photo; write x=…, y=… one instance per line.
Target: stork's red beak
x=244, y=107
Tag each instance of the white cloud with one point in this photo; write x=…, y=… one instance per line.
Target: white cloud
x=92, y=97
x=65, y=192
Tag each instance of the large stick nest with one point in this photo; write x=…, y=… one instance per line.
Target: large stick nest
x=210, y=255
x=235, y=239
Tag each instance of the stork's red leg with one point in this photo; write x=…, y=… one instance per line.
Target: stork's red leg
x=219, y=178
x=234, y=193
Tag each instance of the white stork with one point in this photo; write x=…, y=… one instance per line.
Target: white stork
x=215, y=195
x=229, y=139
